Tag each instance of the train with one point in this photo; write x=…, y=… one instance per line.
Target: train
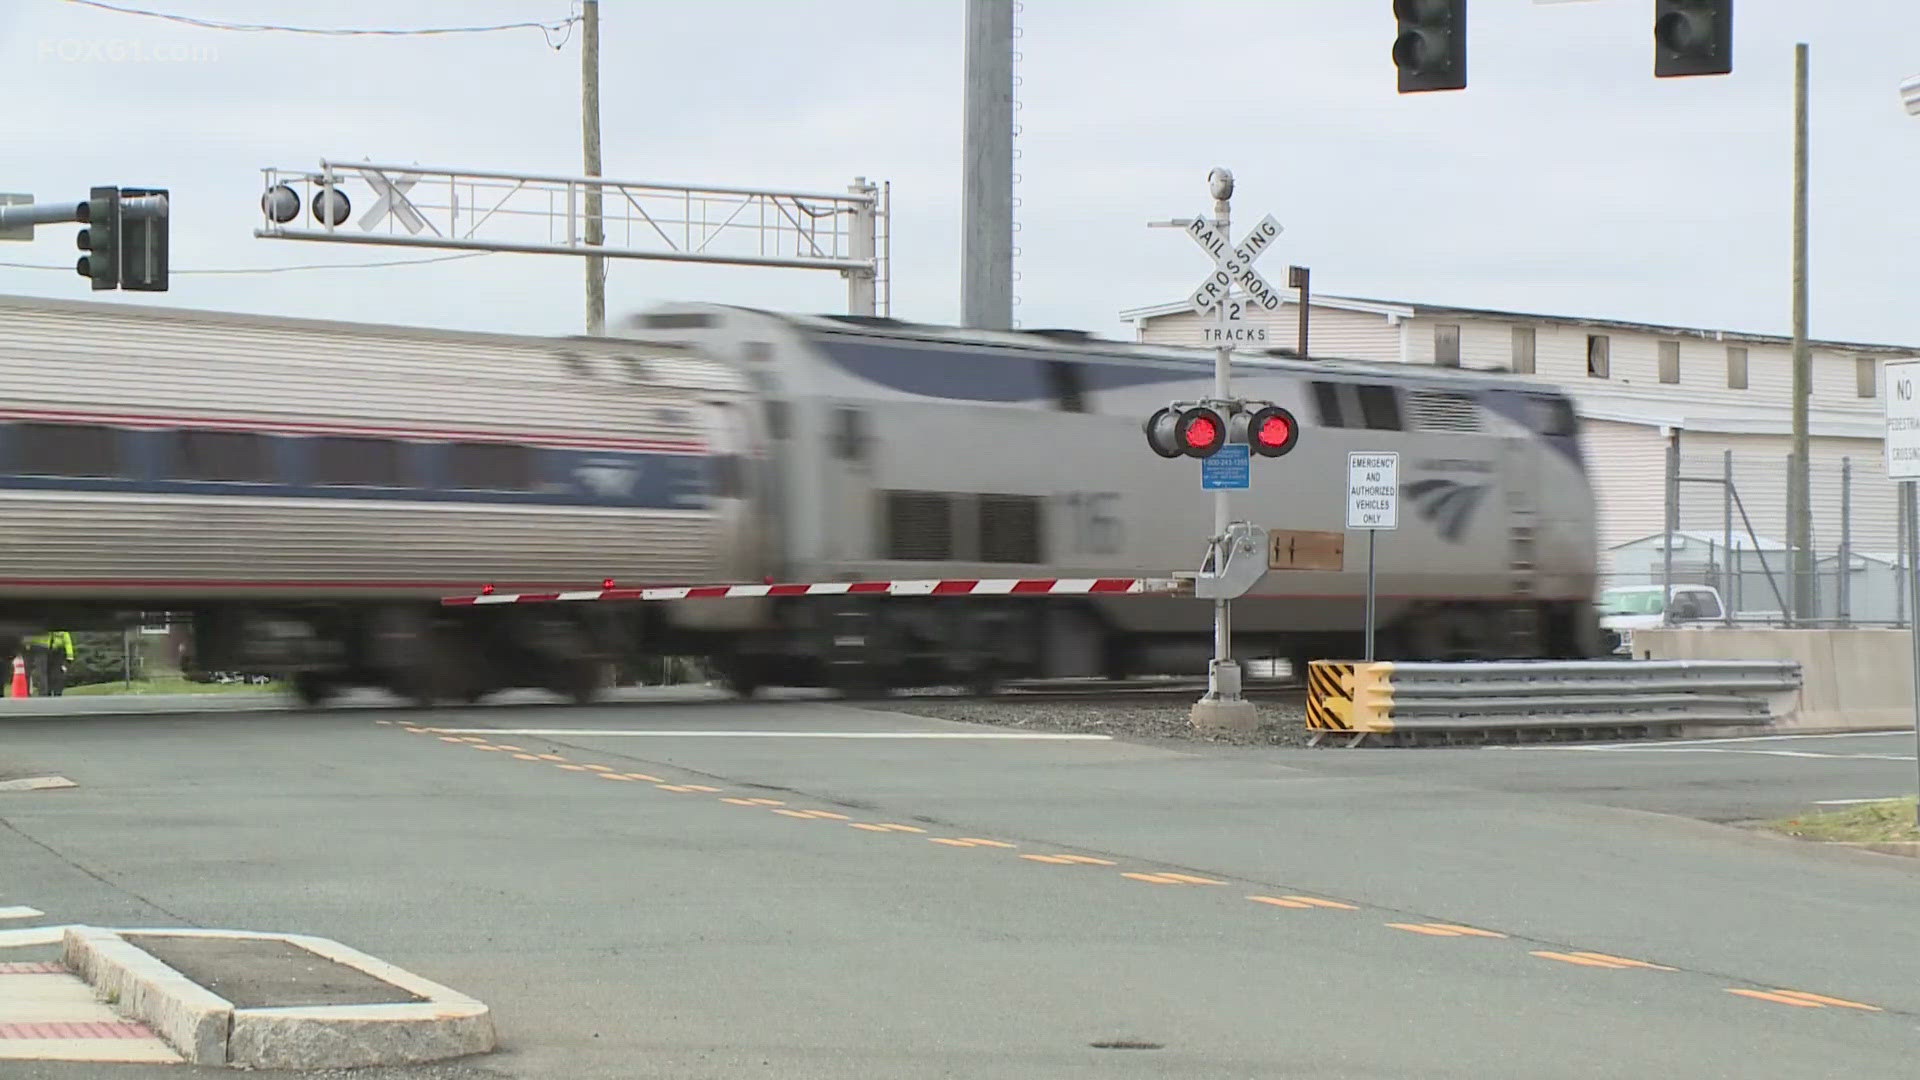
x=300, y=495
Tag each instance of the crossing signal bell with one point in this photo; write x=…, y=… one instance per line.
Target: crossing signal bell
x=1431, y=49
x=1692, y=37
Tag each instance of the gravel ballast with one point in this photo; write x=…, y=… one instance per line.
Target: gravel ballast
x=1282, y=721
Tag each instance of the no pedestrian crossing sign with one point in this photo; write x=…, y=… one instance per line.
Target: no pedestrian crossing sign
x=1229, y=469
x=1373, y=490
x=1902, y=397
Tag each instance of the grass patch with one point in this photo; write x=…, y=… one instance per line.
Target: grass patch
x=173, y=684
x=1866, y=823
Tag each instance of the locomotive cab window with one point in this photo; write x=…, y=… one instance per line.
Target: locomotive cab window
x=233, y=457
x=79, y=450
x=489, y=467
x=1350, y=405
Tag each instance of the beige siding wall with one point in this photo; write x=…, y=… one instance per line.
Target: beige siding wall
x=1627, y=466
x=1560, y=356
x=1760, y=477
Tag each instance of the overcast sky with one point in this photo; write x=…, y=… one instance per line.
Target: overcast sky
x=1566, y=179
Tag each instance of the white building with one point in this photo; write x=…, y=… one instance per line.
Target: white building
x=1637, y=384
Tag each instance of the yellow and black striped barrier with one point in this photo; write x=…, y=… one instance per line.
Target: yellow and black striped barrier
x=1345, y=697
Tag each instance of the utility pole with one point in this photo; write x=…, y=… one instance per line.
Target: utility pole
x=590, y=138
x=986, y=198
x=1799, y=486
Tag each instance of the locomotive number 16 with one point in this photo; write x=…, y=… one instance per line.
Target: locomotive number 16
x=1093, y=525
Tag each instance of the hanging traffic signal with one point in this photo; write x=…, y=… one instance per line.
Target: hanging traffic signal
x=1195, y=432
x=1270, y=431
x=1692, y=37
x=1431, y=49
x=101, y=239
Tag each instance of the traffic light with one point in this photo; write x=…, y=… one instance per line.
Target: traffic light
x=143, y=239
x=101, y=239
x=1195, y=432
x=1431, y=49
x=1270, y=431
x=1692, y=37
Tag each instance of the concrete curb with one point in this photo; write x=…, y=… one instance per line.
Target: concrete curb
x=1909, y=848
x=209, y=1030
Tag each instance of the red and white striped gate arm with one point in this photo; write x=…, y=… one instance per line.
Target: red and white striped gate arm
x=926, y=587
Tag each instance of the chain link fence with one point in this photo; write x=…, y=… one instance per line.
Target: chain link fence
x=1727, y=513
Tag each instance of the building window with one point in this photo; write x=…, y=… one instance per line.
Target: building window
x=1446, y=345
x=233, y=457
x=1599, y=357
x=351, y=461
x=489, y=467
x=87, y=450
x=1669, y=361
x=1736, y=367
x=1866, y=377
x=1523, y=350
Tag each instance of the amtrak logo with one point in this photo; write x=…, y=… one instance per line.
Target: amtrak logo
x=1449, y=504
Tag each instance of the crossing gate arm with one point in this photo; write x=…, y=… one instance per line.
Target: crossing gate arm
x=1482, y=697
x=928, y=587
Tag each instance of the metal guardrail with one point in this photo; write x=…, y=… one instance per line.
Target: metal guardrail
x=1450, y=702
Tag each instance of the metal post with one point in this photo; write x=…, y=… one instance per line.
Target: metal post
x=1903, y=545
x=862, y=242
x=1843, y=587
x=1799, y=487
x=1371, y=533
x=986, y=198
x=126, y=657
x=1301, y=278
x=1672, y=526
x=590, y=139
x=1726, y=530
x=1912, y=518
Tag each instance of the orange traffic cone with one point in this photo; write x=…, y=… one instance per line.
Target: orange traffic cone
x=19, y=687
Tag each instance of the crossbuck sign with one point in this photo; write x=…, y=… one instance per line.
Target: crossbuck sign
x=1233, y=267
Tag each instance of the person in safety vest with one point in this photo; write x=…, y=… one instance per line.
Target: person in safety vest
x=48, y=655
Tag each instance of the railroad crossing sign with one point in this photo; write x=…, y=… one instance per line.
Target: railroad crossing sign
x=393, y=200
x=1234, y=266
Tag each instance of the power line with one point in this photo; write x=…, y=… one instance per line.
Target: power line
x=279, y=269
x=546, y=28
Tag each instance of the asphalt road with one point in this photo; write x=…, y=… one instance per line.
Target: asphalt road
x=732, y=905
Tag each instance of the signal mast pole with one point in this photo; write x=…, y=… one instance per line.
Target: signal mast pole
x=1222, y=706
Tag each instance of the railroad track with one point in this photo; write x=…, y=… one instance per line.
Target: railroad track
x=1135, y=691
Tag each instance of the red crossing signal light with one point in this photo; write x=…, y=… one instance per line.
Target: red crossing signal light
x=1197, y=432
x=1270, y=432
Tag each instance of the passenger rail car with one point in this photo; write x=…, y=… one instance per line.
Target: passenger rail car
x=896, y=451
x=300, y=494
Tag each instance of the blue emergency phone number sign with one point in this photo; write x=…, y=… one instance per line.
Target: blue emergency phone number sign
x=1229, y=469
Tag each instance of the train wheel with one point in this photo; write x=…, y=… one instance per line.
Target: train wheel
x=311, y=688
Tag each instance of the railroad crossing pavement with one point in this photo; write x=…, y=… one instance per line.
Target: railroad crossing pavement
x=808, y=889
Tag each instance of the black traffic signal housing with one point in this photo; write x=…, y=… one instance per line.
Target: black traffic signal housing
x=1431, y=47
x=1692, y=37
x=101, y=239
x=143, y=239
x=1270, y=431
x=1194, y=432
